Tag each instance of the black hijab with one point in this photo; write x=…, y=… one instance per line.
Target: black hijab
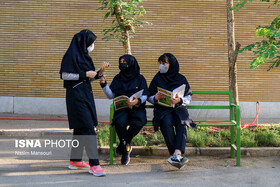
x=76, y=58
x=171, y=79
x=132, y=70
x=129, y=81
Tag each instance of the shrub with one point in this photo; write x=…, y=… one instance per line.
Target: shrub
x=139, y=140
x=156, y=139
x=201, y=137
x=197, y=138
x=266, y=138
x=103, y=135
x=248, y=138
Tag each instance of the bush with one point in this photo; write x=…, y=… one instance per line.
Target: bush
x=201, y=137
x=156, y=140
x=139, y=140
x=103, y=135
x=197, y=138
x=266, y=138
x=248, y=138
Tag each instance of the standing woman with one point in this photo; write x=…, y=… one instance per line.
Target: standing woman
x=167, y=118
x=127, y=82
x=77, y=70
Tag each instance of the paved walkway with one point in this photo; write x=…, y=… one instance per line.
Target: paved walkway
x=142, y=171
x=145, y=171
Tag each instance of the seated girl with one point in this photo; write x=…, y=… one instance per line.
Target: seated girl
x=128, y=82
x=167, y=118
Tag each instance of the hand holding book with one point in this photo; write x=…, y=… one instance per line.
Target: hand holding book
x=168, y=98
x=127, y=102
x=133, y=102
x=175, y=100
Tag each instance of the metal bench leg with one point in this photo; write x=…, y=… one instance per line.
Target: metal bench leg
x=238, y=144
x=112, y=141
x=232, y=142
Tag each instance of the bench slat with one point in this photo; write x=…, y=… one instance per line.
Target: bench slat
x=216, y=121
x=212, y=92
x=208, y=107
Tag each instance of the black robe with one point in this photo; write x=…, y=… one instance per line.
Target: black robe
x=80, y=103
x=169, y=81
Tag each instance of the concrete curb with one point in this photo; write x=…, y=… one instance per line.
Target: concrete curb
x=34, y=133
x=152, y=151
x=200, y=151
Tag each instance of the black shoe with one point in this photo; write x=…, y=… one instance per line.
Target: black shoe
x=126, y=155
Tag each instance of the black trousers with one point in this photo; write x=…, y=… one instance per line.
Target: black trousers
x=174, y=139
x=136, y=119
x=87, y=139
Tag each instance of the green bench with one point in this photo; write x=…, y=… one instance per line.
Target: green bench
x=233, y=123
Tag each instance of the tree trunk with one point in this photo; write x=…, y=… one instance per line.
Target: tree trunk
x=125, y=34
x=126, y=43
x=232, y=47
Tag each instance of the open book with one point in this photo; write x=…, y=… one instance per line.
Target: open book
x=120, y=101
x=167, y=95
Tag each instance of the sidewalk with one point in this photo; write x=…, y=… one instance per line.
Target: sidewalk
x=259, y=166
x=46, y=126
x=145, y=171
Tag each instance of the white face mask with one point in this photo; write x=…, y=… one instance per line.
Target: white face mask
x=163, y=68
x=90, y=48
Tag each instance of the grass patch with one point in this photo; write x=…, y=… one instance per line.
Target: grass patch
x=203, y=137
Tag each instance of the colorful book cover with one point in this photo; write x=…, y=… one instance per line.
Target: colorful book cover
x=121, y=101
x=167, y=95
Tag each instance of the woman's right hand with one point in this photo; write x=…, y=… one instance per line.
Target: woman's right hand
x=103, y=67
x=103, y=79
x=91, y=74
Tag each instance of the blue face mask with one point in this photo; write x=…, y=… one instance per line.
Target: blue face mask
x=163, y=68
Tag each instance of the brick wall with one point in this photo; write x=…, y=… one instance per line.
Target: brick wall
x=34, y=36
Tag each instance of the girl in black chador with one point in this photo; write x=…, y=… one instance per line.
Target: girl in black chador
x=77, y=70
x=127, y=82
x=167, y=118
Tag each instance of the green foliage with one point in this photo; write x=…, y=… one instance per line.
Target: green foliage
x=156, y=139
x=268, y=49
x=202, y=137
x=225, y=134
x=103, y=135
x=138, y=140
x=197, y=138
x=126, y=13
x=241, y=3
x=248, y=138
x=266, y=138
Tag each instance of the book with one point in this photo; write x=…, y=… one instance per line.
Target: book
x=120, y=101
x=167, y=95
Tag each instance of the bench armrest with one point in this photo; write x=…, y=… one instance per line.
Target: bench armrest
x=234, y=105
x=237, y=113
